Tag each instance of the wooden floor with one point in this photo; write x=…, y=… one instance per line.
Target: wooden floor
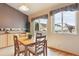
x=51, y=52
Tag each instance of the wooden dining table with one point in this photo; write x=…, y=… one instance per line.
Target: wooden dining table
x=26, y=42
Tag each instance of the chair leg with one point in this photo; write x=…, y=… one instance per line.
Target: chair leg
x=15, y=53
x=46, y=52
x=29, y=53
x=18, y=54
x=43, y=51
x=46, y=48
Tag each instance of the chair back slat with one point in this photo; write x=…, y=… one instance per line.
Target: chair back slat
x=40, y=38
x=38, y=34
x=40, y=43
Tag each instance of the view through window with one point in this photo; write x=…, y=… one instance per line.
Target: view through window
x=65, y=21
x=41, y=25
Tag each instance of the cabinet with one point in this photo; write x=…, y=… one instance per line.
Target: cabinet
x=3, y=40
x=10, y=39
x=6, y=40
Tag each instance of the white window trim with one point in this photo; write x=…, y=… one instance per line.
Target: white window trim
x=52, y=27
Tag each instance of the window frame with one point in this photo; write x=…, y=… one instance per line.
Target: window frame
x=62, y=21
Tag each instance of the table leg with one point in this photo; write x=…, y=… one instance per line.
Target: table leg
x=25, y=51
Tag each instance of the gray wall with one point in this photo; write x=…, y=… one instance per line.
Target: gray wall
x=11, y=18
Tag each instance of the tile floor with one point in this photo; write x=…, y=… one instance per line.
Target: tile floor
x=10, y=50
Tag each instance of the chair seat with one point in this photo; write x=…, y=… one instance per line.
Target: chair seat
x=22, y=48
x=32, y=49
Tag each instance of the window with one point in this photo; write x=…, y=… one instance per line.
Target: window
x=41, y=24
x=65, y=22
x=58, y=22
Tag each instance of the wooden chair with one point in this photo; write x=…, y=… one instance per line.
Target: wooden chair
x=40, y=47
x=17, y=47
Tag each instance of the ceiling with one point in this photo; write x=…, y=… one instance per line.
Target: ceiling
x=34, y=7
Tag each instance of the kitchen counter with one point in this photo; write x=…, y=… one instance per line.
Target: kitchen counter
x=6, y=38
